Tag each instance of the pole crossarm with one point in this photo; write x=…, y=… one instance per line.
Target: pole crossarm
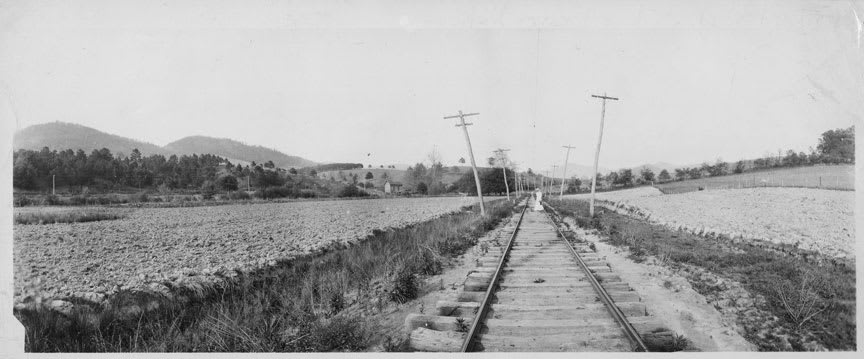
x=460, y=115
x=605, y=97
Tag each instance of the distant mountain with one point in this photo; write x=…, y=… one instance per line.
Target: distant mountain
x=235, y=150
x=61, y=136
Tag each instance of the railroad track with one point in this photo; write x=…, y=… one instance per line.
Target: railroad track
x=536, y=291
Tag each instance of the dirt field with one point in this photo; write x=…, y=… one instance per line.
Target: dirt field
x=812, y=219
x=183, y=244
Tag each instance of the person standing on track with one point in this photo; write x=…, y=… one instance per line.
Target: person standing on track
x=538, y=196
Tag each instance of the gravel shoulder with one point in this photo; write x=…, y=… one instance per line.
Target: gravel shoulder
x=184, y=245
x=669, y=296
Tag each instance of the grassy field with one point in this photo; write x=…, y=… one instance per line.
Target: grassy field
x=294, y=306
x=839, y=177
x=814, y=301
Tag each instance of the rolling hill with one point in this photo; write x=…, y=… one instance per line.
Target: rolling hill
x=61, y=136
x=235, y=150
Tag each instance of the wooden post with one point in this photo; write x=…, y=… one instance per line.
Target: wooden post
x=566, y=158
x=597, y=153
x=464, y=126
x=53, y=188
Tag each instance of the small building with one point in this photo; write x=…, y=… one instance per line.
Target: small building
x=392, y=187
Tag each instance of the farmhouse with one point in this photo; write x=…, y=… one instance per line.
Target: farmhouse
x=392, y=187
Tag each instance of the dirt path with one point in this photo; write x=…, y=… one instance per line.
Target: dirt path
x=669, y=296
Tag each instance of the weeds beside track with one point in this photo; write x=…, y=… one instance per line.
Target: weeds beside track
x=790, y=285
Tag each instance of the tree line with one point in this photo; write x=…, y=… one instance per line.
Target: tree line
x=34, y=170
x=103, y=171
x=834, y=147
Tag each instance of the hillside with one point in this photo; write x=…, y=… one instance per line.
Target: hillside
x=236, y=150
x=61, y=135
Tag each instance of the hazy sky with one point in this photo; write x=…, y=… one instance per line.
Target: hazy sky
x=333, y=81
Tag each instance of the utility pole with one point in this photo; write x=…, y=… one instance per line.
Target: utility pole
x=500, y=153
x=464, y=126
x=597, y=153
x=566, y=158
x=53, y=188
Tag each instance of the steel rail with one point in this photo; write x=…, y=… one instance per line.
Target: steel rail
x=613, y=309
x=468, y=344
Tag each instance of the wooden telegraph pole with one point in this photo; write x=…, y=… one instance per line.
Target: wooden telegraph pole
x=464, y=126
x=53, y=188
x=597, y=153
x=566, y=158
x=500, y=153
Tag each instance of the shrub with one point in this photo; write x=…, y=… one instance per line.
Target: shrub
x=404, y=287
x=426, y=263
x=208, y=189
x=351, y=191
x=78, y=200
x=50, y=200
x=238, y=195
x=800, y=299
x=337, y=302
x=337, y=334
x=308, y=193
x=436, y=189
x=422, y=188
x=140, y=197
x=273, y=192
x=392, y=345
x=21, y=201
x=228, y=183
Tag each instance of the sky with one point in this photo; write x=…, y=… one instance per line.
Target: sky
x=337, y=81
